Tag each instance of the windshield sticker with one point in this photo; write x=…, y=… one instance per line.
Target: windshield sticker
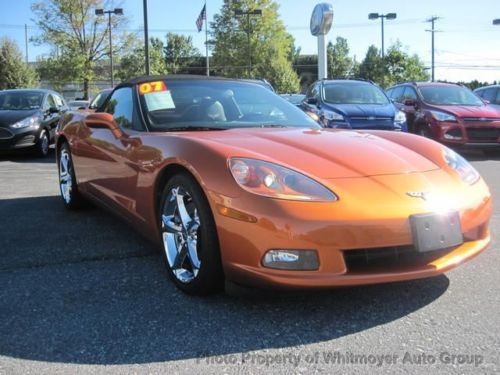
x=148, y=87
x=159, y=100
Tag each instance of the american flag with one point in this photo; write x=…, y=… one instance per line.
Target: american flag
x=201, y=17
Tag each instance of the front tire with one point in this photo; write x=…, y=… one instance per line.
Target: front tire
x=42, y=146
x=68, y=187
x=190, y=243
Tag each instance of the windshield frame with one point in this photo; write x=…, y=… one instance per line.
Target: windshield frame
x=471, y=94
x=351, y=85
x=214, y=85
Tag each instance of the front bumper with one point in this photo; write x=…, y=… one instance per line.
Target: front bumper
x=357, y=222
x=13, y=139
x=474, y=134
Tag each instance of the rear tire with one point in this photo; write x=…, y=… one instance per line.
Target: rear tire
x=68, y=186
x=190, y=244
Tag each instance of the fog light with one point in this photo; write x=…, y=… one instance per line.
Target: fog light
x=453, y=134
x=291, y=260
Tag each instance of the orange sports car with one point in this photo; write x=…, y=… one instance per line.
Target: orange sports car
x=235, y=183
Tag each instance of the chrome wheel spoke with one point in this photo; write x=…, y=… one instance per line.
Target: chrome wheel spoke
x=180, y=224
x=65, y=179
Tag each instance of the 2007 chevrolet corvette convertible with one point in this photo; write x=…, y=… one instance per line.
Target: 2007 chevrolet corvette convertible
x=237, y=184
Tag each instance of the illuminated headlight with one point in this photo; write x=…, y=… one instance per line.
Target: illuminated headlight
x=333, y=116
x=442, y=116
x=462, y=167
x=31, y=122
x=400, y=117
x=272, y=180
x=305, y=260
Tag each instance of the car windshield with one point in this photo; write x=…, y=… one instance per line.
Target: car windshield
x=20, y=100
x=449, y=95
x=354, y=93
x=220, y=104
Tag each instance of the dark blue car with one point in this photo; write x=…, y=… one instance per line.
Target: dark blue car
x=353, y=104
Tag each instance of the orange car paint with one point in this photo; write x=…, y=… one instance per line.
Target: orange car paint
x=369, y=171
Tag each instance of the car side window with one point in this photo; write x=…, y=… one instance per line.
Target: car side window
x=497, y=99
x=409, y=93
x=312, y=92
x=490, y=94
x=60, y=104
x=397, y=94
x=121, y=106
x=49, y=102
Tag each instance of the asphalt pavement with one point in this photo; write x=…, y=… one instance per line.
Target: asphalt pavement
x=82, y=293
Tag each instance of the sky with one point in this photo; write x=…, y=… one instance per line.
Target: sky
x=467, y=45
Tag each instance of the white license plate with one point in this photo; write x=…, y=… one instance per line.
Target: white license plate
x=435, y=231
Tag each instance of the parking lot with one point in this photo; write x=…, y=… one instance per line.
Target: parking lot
x=83, y=293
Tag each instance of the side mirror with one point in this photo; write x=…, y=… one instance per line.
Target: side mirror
x=410, y=102
x=313, y=101
x=103, y=120
x=486, y=101
x=53, y=110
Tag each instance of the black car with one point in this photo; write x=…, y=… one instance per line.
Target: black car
x=28, y=119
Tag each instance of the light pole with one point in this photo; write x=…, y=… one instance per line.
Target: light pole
x=146, y=35
x=118, y=12
x=432, y=20
x=255, y=12
x=389, y=16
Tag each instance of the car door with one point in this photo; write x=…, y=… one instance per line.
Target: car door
x=50, y=114
x=107, y=160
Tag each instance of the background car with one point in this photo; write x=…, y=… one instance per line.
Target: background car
x=28, y=119
x=448, y=113
x=491, y=94
x=295, y=99
x=75, y=105
x=353, y=104
x=234, y=183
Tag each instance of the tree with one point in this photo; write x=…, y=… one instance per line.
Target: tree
x=14, y=72
x=179, y=52
x=80, y=36
x=132, y=64
x=340, y=65
x=270, y=43
x=401, y=66
x=372, y=67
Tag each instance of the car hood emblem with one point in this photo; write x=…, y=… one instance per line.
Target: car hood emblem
x=419, y=194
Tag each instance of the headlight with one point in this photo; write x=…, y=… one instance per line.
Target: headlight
x=32, y=122
x=333, y=116
x=272, y=180
x=400, y=117
x=467, y=172
x=441, y=116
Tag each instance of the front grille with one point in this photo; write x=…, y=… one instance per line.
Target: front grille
x=385, y=258
x=483, y=134
x=5, y=133
x=370, y=118
x=358, y=122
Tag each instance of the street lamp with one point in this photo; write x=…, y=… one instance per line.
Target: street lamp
x=496, y=21
x=118, y=12
x=255, y=12
x=389, y=16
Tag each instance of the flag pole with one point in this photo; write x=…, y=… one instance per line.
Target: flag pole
x=206, y=39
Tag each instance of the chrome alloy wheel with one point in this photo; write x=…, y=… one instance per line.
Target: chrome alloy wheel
x=180, y=227
x=44, y=144
x=65, y=175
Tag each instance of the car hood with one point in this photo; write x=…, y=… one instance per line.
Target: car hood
x=11, y=117
x=324, y=153
x=486, y=111
x=363, y=110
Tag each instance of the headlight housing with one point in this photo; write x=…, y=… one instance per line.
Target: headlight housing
x=462, y=167
x=274, y=181
x=333, y=116
x=400, y=117
x=442, y=116
x=31, y=122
